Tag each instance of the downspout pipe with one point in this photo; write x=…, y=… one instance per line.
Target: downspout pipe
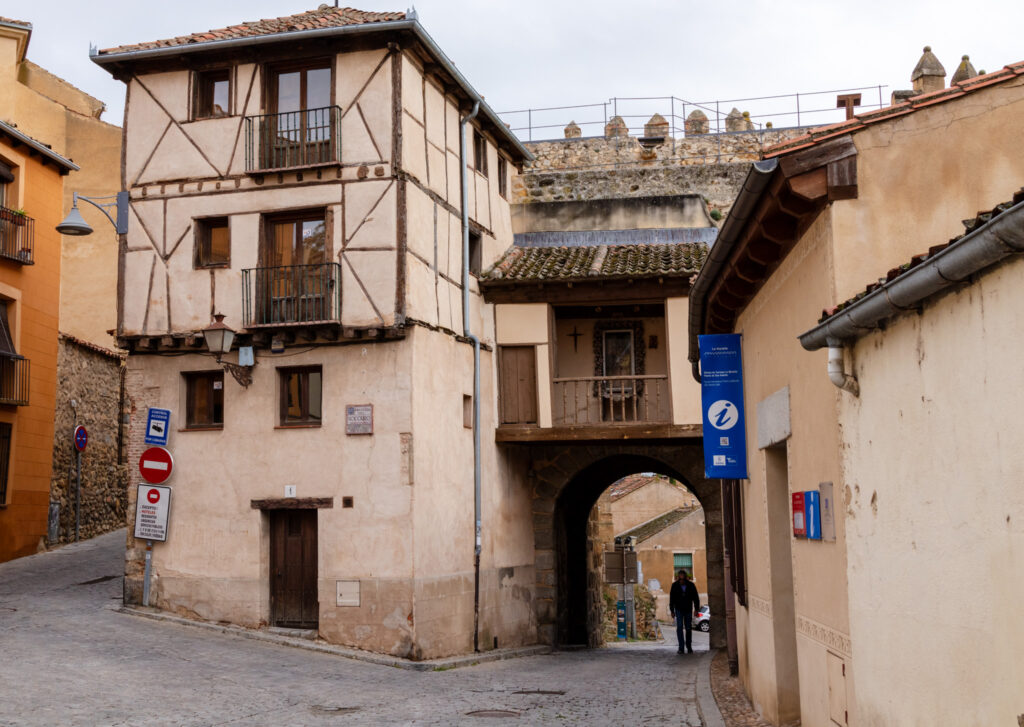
x=467, y=332
x=836, y=374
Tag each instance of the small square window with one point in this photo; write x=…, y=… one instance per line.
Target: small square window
x=476, y=252
x=502, y=177
x=204, y=400
x=301, y=396
x=213, y=94
x=213, y=243
x=480, y=153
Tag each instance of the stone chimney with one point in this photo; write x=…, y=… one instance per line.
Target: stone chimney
x=697, y=123
x=656, y=127
x=573, y=131
x=616, y=128
x=964, y=71
x=928, y=75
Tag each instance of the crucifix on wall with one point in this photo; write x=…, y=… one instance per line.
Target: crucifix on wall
x=575, y=335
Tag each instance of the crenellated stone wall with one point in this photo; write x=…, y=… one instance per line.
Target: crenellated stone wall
x=89, y=376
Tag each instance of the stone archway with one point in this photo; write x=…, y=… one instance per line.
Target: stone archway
x=566, y=482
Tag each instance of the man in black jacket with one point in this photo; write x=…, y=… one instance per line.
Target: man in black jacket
x=683, y=604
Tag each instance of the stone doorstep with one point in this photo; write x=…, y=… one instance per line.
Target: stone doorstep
x=302, y=640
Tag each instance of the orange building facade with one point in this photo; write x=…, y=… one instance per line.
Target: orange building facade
x=31, y=206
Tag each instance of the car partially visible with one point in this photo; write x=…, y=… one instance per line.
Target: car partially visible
x=703, y=619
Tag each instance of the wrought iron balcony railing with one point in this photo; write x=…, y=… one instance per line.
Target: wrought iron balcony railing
x=610, y=399
x=293, y=139
x=292, y=295
x=17, y=236
x=14, y=373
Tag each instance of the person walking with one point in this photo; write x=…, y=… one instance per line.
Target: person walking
x=683, y=604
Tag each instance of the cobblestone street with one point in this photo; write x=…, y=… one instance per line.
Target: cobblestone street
x=70, y=658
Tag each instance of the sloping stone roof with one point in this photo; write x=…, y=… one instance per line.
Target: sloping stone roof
x=915, y=103
x=970, y=225
x=652, y=527
x=323, y=17
x=537, y=264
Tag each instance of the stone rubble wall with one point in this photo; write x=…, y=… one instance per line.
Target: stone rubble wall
x=92, y=378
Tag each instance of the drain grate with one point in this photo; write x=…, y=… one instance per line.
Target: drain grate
x=492, y=713
x=553, y=692
x=94, y=581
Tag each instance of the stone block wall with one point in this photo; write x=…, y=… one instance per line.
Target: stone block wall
x=91, y=377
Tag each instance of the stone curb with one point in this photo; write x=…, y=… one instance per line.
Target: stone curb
x=710, y=716
x=453, y=662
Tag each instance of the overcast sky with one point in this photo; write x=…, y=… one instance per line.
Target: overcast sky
x=540, y=53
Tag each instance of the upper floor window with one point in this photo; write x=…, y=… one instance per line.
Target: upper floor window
x=6, y=179
x=213, y=243
x=300, y=87
x=503, y=177
x=476, y=252
x=204, y=400
x=301, y=396
x=213, y=94
x=480, y=153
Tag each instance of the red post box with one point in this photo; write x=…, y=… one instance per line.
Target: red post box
x=799, y=516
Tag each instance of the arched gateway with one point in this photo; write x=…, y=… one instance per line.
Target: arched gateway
x=566, y=481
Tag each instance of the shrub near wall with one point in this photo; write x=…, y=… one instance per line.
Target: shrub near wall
x=91, y=377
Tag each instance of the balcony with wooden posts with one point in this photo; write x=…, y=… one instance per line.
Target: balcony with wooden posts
x=14, y=379
x=293, y=140
x=288, y=296
x=17, y=236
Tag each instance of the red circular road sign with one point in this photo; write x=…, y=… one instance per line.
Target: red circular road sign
x=81, y=438
x=156, y=464
x=153, y=496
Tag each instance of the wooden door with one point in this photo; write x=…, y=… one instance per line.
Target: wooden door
x=293, y=569
x=518, y=371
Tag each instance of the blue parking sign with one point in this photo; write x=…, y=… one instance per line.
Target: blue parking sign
x=157, y=423
x=721, y=394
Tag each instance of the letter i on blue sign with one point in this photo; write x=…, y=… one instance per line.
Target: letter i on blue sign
x=812, y=507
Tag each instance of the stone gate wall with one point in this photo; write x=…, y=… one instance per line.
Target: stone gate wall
x=90, y=376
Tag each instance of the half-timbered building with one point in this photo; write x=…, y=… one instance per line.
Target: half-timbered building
x=303, y=177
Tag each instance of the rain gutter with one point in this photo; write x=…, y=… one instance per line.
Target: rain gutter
x=411, y=26
x=39, y=147
x=718, y=256
x=996, y=240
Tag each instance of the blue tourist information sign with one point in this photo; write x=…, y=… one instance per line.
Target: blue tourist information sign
x=721, y=395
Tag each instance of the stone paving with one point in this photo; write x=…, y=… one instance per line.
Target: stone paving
x=68, y=657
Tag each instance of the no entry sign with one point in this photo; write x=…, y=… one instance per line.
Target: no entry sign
x=155, y=465
x=152, y=508
x=81, y=438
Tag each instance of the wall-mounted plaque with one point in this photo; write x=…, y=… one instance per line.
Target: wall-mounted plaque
x=359, y=419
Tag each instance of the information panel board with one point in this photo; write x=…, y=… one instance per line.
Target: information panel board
x=812, y=514
x=157, y=423
x=721, y=395
x=152, y=510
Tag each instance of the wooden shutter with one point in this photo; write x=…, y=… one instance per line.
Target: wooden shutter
x=518, y=373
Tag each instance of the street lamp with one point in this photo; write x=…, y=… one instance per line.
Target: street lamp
x=219, y=337
x=74, y=224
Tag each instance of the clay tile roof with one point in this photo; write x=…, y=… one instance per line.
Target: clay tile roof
x=915, y=103
x=11, y=21
x=970, y=225
x=525, y=264
x=652, y=527
x=631, y=483
x=324, y=17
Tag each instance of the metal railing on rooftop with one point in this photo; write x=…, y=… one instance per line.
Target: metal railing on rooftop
x=293, y=139
x=291, y=295
x=17, y=236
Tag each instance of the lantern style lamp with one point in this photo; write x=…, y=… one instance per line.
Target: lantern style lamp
x=75, y=224
x=219, y=337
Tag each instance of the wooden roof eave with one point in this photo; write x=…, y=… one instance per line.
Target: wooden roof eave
x=586, y=290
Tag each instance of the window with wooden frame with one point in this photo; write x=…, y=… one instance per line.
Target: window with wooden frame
x=476, y=252
x=480, y=152
x=5, y=459
x=301, y=396
x=204, y=400
x=502, y=177
x=212, y=94
x=213, y=243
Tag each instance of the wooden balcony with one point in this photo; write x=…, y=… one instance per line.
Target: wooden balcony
x=291, y=295
x=17, y=236
x=14, y=379
x=293, y=140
